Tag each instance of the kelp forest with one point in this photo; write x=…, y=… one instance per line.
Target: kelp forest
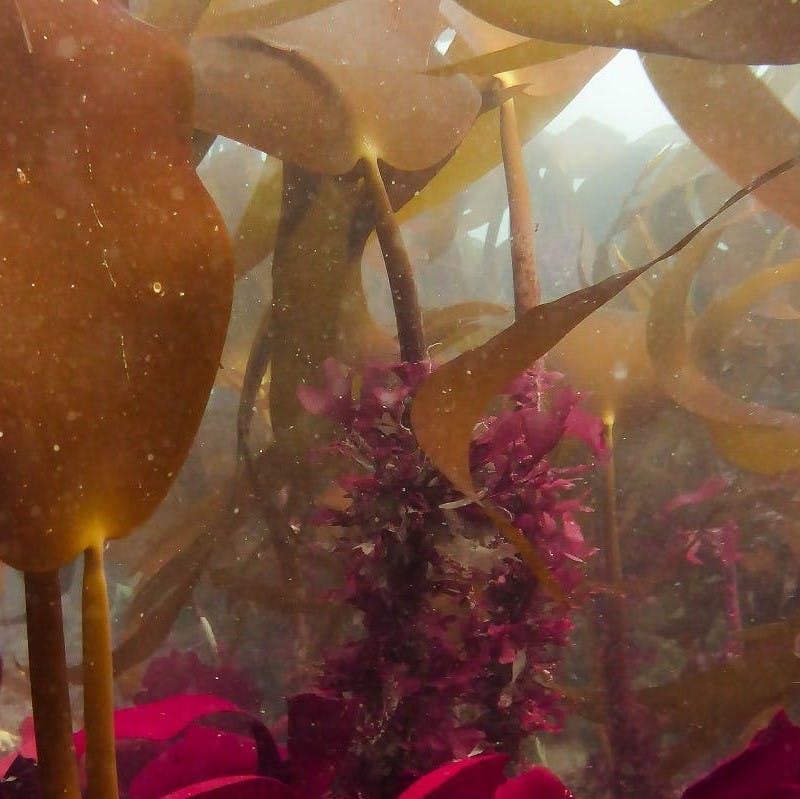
x=376, y=423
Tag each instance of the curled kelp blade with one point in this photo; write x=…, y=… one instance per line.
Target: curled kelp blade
x=736, y=120
x=736, y=31
x=116, y=282
x=701, y=706
x=750, y=435
x=331, y=88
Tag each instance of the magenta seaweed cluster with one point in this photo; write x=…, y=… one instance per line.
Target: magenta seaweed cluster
x=459, y=643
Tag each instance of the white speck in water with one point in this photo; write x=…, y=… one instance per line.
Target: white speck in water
x=158, y=288
x=620, y=371
x=150, y=457
x=56, y=448
x=124, y=356
x=67, y=47
x=22, y=178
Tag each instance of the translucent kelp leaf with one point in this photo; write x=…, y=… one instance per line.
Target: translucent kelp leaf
x=329, y=89
x=736, y=31
x=254, y=238
x=516, y=56
x=116, y=282
x=224, y=16
x=179, y=17
x=704, y=705
x=707, y=101
x=606, y=357
x=549, y=88
x=750, y=435
x=455, y=397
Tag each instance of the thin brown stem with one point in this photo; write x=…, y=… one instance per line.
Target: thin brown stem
x=629, y=738
x=398, y=268
x=613, y=551
x=527, y=293
x=52, y=719
x=98, y=680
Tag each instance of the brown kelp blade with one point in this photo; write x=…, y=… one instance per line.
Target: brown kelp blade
x=707, y=102
x=346, y=83
x=116, y=282
x=734, y=31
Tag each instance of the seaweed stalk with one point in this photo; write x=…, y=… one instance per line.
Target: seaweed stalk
x=398, y=268
x=527, y=293
x=98, y=680
x=52, y=718
x=630, y=743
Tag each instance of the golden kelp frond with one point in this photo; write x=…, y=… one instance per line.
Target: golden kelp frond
x=113, y=230
x=735, y=31
x=223, y=16
x=606, y=358
x=345, y=84
x=701, y=706
x=707, y=102
x=750, y=435
x=455, y=397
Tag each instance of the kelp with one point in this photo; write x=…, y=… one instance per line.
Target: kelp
x=453, y=399
x=99, y=460
x=733, y=31
x=750, y=435
x=115, y=383
x=707, y=101
x=700, y=706
x=542, y=92
x=358, y=117
x=339, y=98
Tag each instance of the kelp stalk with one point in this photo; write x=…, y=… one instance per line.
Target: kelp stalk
x=632, y=774
x=398, y=268
x=527, y=293
x=98, y=680
x=52, y=719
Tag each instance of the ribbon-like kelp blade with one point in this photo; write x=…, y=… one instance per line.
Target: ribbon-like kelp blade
x=735, y=31
x=702, y=706
x=707, y=102
x=752, y=436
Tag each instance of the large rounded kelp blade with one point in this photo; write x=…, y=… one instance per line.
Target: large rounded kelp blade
x=735, y=31
x=329, y=89
x=116, y=277
x=736, y=120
